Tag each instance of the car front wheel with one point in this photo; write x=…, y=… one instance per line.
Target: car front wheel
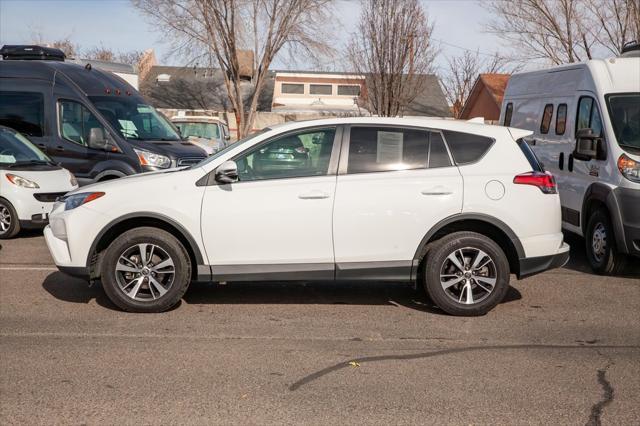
x=602, y=252
x=9, y=224
x=466, y=274
x=145, y=270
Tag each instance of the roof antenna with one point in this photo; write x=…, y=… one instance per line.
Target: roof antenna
x=87, y=67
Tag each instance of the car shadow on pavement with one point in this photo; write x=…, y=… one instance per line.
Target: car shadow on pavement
x=319, y=293
x=73, y=290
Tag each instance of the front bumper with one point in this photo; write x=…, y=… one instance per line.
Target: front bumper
x=37, y=221
x=534, y=265
x=629, y=202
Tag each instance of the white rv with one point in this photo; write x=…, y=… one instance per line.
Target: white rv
x=586, y=123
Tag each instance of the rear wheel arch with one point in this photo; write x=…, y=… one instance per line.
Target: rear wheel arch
x=482, y=224
x=136, y=220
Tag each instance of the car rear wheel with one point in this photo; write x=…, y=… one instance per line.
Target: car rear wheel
x=9, y=223
x=145, y=270
x=602, y=253
x=466, y=274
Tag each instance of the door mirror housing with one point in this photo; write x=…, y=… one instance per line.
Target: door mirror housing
x=588, y=146
x=98, y=139
x=227, y=172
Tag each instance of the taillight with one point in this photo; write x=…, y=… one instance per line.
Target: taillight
x=545, y=181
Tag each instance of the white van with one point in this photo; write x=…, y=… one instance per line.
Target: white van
x=586, y=123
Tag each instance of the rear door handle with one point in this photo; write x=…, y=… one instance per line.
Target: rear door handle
x=42, y=146
x=313, y=195
x=59, y=148
x=439, y=190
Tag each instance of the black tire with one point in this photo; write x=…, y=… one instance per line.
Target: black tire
x=603, y=255
x=152, y=301
x=464, y=245
x=14, y=223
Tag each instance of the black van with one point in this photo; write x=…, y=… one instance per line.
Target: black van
x=92, y=122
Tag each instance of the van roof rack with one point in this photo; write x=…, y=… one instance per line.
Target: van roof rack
x=31, y=52
x=631, y=48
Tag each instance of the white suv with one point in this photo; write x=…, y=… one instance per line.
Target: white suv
x=457, y=206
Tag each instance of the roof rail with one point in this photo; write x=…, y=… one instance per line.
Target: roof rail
x=631, y=49
x=31, y=52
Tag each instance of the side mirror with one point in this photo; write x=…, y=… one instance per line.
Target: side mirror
x=98, y=139
x=227, y=172
x=588, y=145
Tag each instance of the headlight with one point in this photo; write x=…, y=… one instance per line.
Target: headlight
x=20, y=181
x=629, y=168
x=72, y=179
x=76, y=200
x=148, y=158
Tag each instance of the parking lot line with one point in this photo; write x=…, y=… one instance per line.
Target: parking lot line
x=28, y=268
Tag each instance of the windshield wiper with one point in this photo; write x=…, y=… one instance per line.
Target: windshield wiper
x=29, y=162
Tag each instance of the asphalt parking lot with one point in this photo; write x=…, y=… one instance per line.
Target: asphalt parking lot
x=564, y=348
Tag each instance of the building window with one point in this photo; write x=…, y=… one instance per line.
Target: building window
x=163, y=78
x=348, y=90
x=508, y=112
x=546, y=119
x=320, y=89
x=293, y=89
x=561, y=119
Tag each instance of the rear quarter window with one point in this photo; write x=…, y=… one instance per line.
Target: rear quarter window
x=466, y=147
x=536, y=165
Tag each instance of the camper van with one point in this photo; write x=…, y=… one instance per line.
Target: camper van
x=586, y=123
x=90, y=121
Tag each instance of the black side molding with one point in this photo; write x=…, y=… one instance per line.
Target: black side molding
x=534, y=265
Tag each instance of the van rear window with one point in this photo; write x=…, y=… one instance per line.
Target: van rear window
x=536, y=165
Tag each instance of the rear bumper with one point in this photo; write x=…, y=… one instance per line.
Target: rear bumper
x=534, y=265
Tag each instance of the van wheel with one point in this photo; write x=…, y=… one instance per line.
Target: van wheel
x=600, y=242
x=466, y=274
x=145, y=270
x=9, y=222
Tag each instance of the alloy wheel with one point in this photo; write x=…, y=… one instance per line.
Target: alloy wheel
x=145, y=272
x=468, y=275
x=5, y=219
x=599, y=242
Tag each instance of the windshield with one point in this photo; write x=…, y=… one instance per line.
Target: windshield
x=199, y=130
x=15, y=148
x=135, y=120
x=624, y=110
x=230, y=147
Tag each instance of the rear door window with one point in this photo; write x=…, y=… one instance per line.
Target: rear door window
x=23, y=111
x=466, y=147
x=382, y=149
x=561, y=119
x=508, y=112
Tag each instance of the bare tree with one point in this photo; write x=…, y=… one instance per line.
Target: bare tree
x=393, y=49
x=614, y=22
x=225, y=31
x=103, y=53
x=548, y=29
x=462, y=72
x=68, y=47
x=564, y=31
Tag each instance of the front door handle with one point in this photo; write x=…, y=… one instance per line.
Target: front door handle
x=313, y=195
x=59, y=148
x=42, y=146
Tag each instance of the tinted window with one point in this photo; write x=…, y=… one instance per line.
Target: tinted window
x=76, y=122
x=348, y=90
x=584, y=113
x=561, y=119
x=466, y=147
x=320, y=89
x=624, y=110
x=380, y=149
x=546, y=119
x=15, y=148
x=297, y=89
x=536, y=166
x=295, y=155
x=22, y=111
x=508, y=112
x=438, y=155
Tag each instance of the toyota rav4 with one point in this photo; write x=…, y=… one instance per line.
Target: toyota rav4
x=455, y=206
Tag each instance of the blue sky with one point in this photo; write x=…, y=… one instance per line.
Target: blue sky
x=118, y=25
